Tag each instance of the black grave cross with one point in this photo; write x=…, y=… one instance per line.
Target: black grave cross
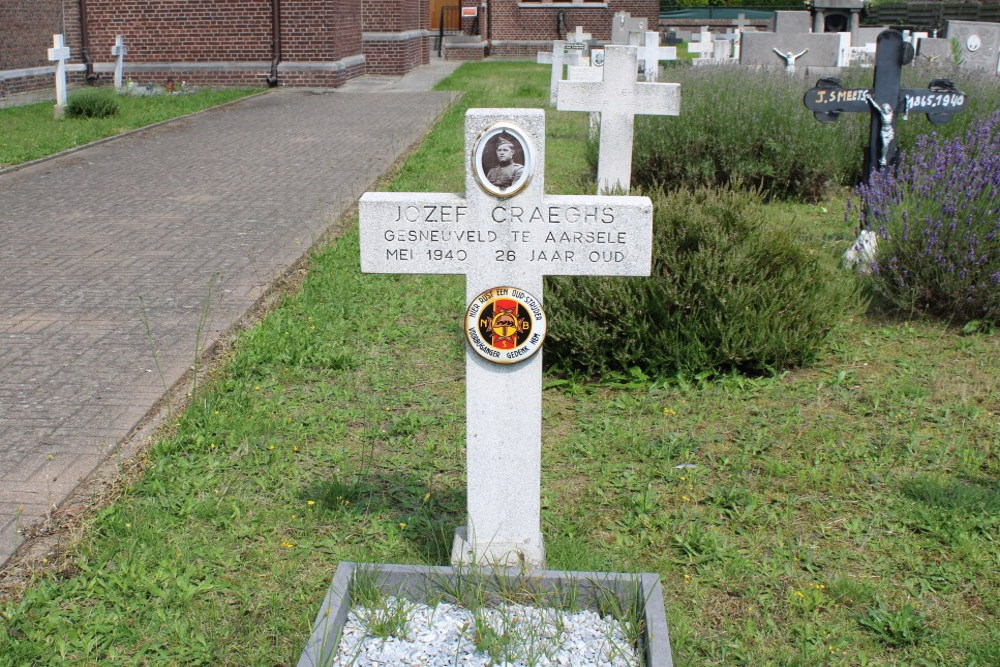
x=885, y=100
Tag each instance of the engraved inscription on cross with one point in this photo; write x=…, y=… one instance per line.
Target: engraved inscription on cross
x=60, y=54
x=619, y=98
x=885, y=100
x=504, y=234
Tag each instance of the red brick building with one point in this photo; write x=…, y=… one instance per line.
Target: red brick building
x=273, y=42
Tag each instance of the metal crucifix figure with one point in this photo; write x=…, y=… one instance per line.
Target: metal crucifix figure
x=885, y=100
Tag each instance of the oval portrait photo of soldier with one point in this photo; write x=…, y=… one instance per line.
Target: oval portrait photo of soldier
x=503, y=161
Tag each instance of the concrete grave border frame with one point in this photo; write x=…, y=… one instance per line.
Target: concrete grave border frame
x=419, y=583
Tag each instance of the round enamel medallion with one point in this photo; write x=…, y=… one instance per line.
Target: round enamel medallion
x=505, y=325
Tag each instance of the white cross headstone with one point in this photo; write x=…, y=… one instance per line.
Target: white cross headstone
x=559, y=57
x=618, y=98
x=651, y=53
x=593, y=74
x=701, y=43
x=118, y=51
x=504, y=234
x=737, y=41
x=60, y=54
x=578, y=36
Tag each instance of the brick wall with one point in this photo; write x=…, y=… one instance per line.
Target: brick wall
x=394, y=54
x=540, y=21
x=26, y=29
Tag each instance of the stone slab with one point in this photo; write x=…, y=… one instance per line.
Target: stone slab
x=791, y=21
x=758, y=49
x=979, y=43
x=424, y=584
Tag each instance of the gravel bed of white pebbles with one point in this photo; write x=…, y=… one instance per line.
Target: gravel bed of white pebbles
x=442, y=636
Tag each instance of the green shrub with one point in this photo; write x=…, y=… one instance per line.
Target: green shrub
x=92, y=104
x=728, y=291
x=751, y=126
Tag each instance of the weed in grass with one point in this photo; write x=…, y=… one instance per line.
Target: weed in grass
x=895, y=628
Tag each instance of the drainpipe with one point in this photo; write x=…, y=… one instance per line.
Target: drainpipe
x=272, y=80
x=489, y=27
x=85, y=44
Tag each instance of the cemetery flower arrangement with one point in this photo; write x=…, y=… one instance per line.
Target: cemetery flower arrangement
x=938, y=221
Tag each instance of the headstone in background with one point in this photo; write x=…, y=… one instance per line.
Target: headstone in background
x=936, y=51
x=868, y=35
x=758, y=49
x=722, y=50
x=651, y=53
x=60, y=54
x=885, y=101
x=979, y=44
x=618, y=98
x=791, y=21
x=578, y=36
x=627, y=30
x=118, y=51
x=560, y=57
x=592, y=74
x=504, y=239
x=701, y=43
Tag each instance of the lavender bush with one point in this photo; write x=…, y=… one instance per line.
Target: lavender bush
x=938, y=221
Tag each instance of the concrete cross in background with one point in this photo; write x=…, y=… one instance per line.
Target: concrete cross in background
x=651, y=53
x=619, y=98
x=60, y=54
x=118, y=51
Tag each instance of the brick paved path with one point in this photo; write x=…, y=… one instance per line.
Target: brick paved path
x=229, y=198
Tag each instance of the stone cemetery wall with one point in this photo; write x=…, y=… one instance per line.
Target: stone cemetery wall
x=757, y=49
x=524, y=28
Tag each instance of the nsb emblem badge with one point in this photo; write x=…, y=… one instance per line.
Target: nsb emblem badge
x=505, y=325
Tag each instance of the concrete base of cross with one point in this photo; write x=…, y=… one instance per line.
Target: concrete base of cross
x=529, y=554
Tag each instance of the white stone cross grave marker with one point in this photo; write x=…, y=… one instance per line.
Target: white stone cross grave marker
x=618, y=97
x=651, y=53
x=558, y=57
x=594, y=74
x=504, y=235
x=578, y=36
x=60, y=54
x=118, y=51
x=701, y=43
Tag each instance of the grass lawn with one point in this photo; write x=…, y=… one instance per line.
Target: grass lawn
x=31, y=131
x=844, y=514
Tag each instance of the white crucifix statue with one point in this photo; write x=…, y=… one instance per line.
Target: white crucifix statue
x=651, y=53
x=504, y=234
x=559, y=57
x=118, y=51
x=619, y=98
x=60, y=54
x=790, y=59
